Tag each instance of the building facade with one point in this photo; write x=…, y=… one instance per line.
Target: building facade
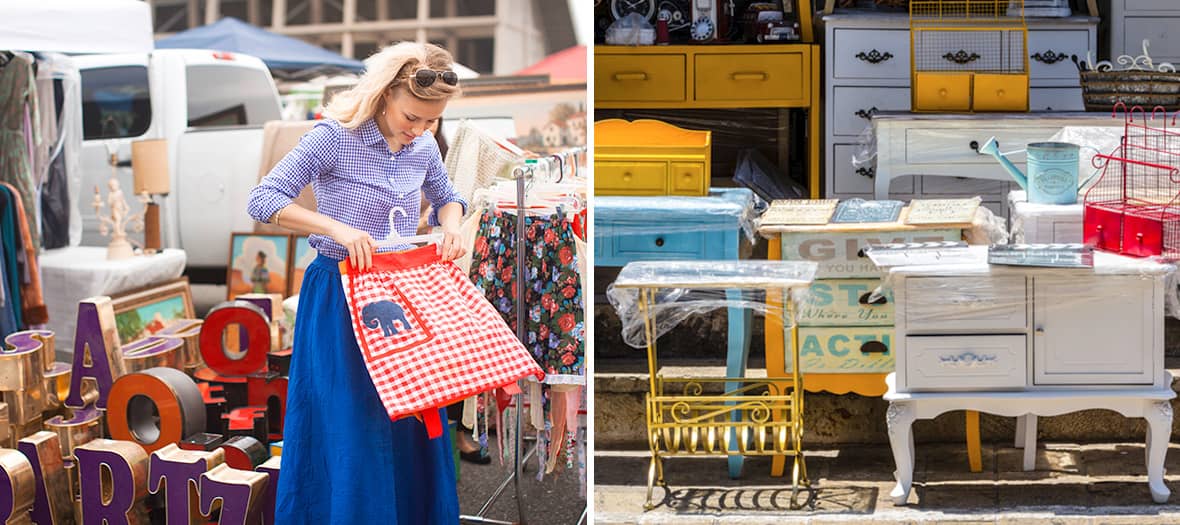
x=490, y=36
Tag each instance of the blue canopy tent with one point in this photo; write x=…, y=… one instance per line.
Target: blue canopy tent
x=285, y=56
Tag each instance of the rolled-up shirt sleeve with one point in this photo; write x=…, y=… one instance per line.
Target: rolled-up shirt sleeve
x=438, y=188
x=315, y=155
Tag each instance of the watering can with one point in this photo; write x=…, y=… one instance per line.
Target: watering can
x=1052, y=170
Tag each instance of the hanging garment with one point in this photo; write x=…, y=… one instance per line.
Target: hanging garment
x=33, y=308
x=13, y=269
x=555, y=328
x=428, y=337
x=19, y=138
x=343, y=460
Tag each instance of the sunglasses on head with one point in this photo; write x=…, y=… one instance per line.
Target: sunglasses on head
x=426, y=77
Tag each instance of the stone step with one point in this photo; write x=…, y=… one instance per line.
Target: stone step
x=1073, y=484
x=620, y=387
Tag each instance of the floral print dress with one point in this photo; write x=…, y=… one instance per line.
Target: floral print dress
x=555, y=328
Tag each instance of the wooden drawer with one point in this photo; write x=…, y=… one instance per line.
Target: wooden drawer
x=990, y=362
x=942, y=185
x=1160, y=34
x=871, y=53
x=942, y=92
x=688, y=178
x=1055, y=99
x=838, y=302
x=854, y=107
x=838, y=254
x=1049, y=51
x=843, y=350
x=639, y=78
x=936, y=145
x=850, y=179
x=940, y=304
x=761, y=78
x=630, y=178
x=999, y=92
x=656, y=246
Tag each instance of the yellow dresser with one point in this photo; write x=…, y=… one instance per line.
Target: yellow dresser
x=650, y=157
x=704, y=76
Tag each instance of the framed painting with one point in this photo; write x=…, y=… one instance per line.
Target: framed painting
x=301, y=258
x=258, y=263
x=143, y=312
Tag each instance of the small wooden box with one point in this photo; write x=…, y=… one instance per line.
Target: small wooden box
x=649, y=157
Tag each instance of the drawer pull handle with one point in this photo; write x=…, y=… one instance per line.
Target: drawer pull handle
x=867, y=114
x=1040, y=330
x=1048, y=57
x=974, y=145
x=659, y=241
x=1000, y=93
x=866, y=172
x=626, y=176
x=874, y=347
x=962, y=57
x=874, y=56
x=968, y=301
x=943, y=92
x=872, y=299
x=757, y=75
x=967, y=360
x=631, y=76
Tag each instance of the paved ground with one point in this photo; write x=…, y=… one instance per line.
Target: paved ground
x=1073, y=484
x=555, y=500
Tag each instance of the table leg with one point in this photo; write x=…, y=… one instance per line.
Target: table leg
x=974, y=452
x=900, y=419
x=735, y=366
x=1159, y=427
x=1029, y=441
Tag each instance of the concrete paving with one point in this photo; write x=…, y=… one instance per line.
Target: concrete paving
x=1083, y=484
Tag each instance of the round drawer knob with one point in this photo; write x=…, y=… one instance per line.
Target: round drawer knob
x=687, y=176
x=999, y=92
x=874, y=347
x=942, y=92
x=659, y=241
x=627, y=176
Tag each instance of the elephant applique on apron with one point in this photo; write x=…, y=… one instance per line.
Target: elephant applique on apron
x=428, y=335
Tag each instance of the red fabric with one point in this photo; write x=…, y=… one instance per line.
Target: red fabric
x=456, y=346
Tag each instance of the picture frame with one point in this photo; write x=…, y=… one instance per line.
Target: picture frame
x=302, y=255
x=145, y=311
x=258, y=263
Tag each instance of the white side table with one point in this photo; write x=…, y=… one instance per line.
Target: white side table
x=1029, y=341
x=1044, y=223
x=71, y=274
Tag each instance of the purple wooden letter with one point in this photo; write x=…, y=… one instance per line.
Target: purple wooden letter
x=239, y=491
x=96, y=334
x=271, y=468
x=177, y=468
x=128, y=468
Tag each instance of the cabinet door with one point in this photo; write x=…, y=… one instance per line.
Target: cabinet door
x=1095, y=330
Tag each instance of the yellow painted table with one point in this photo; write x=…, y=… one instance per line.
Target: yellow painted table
x=684, y=415
x=845, y=333
x=716, y=76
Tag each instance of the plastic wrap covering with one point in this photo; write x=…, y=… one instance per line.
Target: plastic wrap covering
x=748, y=143
x=955, y=284
x=725, y=209
x=1092, y=140
x=684, y=288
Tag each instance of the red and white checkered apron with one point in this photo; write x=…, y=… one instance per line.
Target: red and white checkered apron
x=428, y=336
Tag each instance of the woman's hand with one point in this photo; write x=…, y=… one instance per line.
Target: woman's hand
x=359, y=243
x=451, y=247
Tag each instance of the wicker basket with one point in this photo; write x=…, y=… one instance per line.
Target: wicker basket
x=1101, y=90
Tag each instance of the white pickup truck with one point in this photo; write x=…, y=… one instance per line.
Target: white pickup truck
x=210, y=106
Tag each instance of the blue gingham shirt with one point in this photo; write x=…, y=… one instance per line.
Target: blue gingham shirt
x=357, y=181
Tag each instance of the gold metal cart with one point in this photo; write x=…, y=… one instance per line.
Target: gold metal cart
x=750, y=416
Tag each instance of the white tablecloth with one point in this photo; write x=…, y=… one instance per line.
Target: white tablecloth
x=69, y=275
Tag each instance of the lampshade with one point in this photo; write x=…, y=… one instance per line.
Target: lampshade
x=149, y=166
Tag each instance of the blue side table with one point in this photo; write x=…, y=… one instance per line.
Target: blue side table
x=664, y=228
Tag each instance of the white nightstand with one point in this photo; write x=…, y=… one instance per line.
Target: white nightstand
x=1025, y=341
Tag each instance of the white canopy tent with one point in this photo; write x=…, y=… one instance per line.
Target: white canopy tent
x=76, y=26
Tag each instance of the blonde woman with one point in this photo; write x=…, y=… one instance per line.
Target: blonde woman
x=343, y=460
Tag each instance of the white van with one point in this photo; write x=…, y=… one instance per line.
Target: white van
x=210, y=106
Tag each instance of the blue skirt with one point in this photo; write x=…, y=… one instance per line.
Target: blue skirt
x=343, y=460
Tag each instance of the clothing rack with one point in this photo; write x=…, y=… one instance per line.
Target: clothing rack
x=519, y=174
